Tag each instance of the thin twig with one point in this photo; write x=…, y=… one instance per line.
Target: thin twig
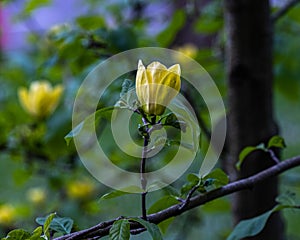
x=143, y=171
x=283, y=10
x=137, y=231
x=188, y=197
x=102, y=229
x=273, y=156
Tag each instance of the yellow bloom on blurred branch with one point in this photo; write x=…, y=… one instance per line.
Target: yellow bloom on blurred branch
x=80, y=189
x=190, y=50
x=156, y=86
x=36, y=195
x=7, y=214
x=41, y=99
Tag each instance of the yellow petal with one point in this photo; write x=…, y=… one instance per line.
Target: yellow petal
x=41, y=99
x=24, y=99
x=54, y=97
x=156, y=86
x=141, y=79
x=155, y=72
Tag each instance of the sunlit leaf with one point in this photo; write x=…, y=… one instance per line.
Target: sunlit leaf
x=276, y=141
x=34, y=4
x=47, y=223
x=218, y=176
x=118, y=193
x=193, y=178
x=90, y=22
x=17, y=234
x=36, y=235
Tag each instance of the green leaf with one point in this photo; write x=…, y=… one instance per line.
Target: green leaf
x=58, y=224
x=62, y=225
x=287, y=198
x=217, y=206
x=176, y=23
x=163, y=203
x=75, y=131
x=103, y=113
x=47, y=224
x=37, y=233
x=151, y=228
x=18, y=234
x=90, y=22
x=186, y=188
x=172, y=120
x=119, y=193
x=276, y=141
x=126, y=86
x=245, y=152
x=34, y=4
x=168, y=189
x=128, y=97
x=120, y=230
x=170, y=142
x=208, y=26
x=193, y=178
x=219, y=177
x=210, y=20
x=122, y=38
x=253, y=226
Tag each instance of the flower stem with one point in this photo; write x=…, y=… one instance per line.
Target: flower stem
x=143, y=171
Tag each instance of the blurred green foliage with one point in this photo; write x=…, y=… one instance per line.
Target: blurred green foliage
x=41, y=174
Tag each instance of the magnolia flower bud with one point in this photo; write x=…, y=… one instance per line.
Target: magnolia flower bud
x=156, y=86
x=190, y=50
x=41, y=99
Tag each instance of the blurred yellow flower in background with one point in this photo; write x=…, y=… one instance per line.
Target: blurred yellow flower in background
x=7, y=214
x=41, y=99
x=36, y=195
x=155, y=85
x=189, y=49
x=80, y=189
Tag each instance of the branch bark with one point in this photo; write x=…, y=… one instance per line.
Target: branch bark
x=102, y=229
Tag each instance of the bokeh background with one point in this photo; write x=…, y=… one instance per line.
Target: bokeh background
x=61, y=42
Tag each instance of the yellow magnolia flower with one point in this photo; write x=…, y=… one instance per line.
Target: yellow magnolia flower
x=156, y=86
x=80, y=189
x=7, y=214
x=36, y=195
x=189, y=50
x=41, y=99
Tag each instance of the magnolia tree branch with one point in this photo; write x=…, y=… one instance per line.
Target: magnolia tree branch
x=102, y=229
x=283, y=10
